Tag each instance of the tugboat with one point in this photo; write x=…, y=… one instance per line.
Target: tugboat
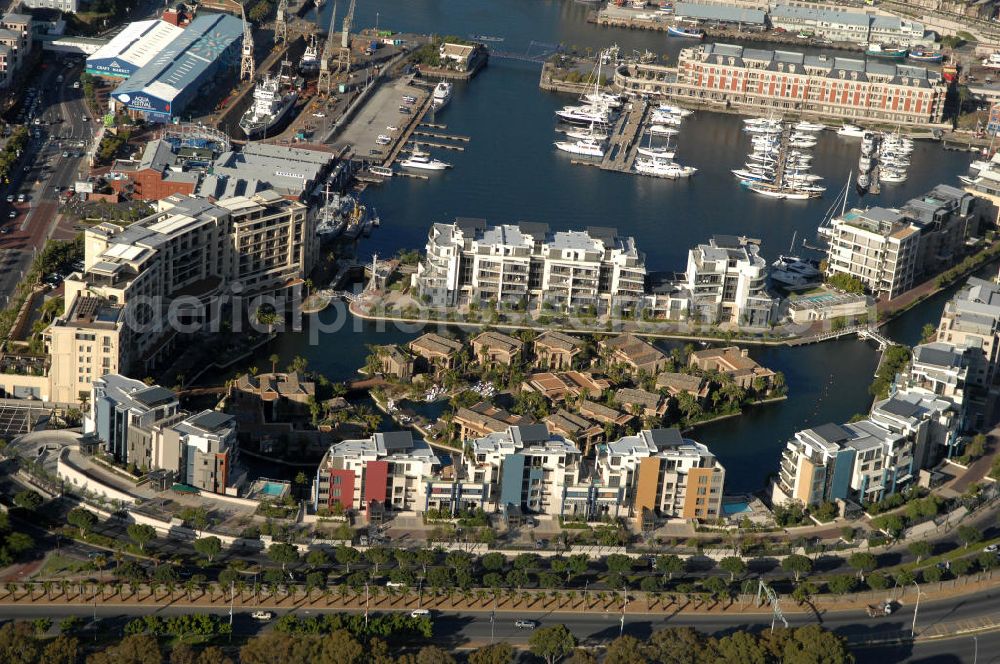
x=688, y=33
x=885, y=52
x=922, y=55
x=309, y=64
x=269, y=108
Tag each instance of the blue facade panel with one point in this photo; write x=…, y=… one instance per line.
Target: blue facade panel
x=512, y=479
x=840, y=483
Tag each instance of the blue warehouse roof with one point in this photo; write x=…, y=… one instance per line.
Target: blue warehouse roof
x=718, y=13
x=183, y=62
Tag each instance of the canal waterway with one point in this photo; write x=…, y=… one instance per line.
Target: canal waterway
x=510, y=172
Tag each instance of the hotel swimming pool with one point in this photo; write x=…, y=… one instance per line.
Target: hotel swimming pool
x=729, y=509
x=273, y=488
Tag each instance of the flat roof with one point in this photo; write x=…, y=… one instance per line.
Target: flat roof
x=137, y=44
x=719, y=13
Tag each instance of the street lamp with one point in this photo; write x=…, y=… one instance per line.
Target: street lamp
x=975, y=655
x=621, y=629
x=916, y=607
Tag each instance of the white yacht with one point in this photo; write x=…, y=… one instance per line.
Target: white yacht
x=591, y=132
x=851, y=131
x=585, y=115
x=673, y=110
x=809, y=126
x=423, y=161
x=663, y=168
x=588, y=147
x=661, y=152
x=605, y=98
x=269, y=107
x=661, y=130
x=665, y=118
x=441, y=95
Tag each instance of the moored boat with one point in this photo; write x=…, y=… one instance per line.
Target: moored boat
x=885, y=52
x=687, y=33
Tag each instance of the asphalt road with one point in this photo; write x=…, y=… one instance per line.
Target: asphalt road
x=65, y=124
x=474, y=629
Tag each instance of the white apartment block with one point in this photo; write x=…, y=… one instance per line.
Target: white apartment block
x=878, y=247
x=15, y=45
x=726, y=279
x=388, y=471
x=860, y=462
x=142, y=426
x=891, y=251
x=527, y=264
x=931, y=423
x=67, y=6
x=525, y=468
x=663, y=474
x=116, y=309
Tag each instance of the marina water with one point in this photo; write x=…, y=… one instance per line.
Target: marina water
x=511, y=172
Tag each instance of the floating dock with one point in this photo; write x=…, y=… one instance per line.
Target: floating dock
x=622, y=144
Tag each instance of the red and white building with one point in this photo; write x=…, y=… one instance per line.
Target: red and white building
x=785, y=82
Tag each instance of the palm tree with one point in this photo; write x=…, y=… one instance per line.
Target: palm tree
x=273, y=359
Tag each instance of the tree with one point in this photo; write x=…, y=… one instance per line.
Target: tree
x=552, y=643
x=618, y=563
x=626, y=650
x=282, y=553
x=814, y=645
x=133, y=649
x=932, y=574
x=797, y=564
x=274, y=359
x=346, y=556
x=497, y=653
x=741, y=647
x=676, y=644
x=493, y=561
x=318, y=558
x=734, y=565
x=864, y=562
x=969, y=535
x=378, y=555
x=62, y=650
x=141, y=534
x=29, y=500
x=18, y=644
x=843, y=584
x=433, y=655
x=921, y=549
x=82, y=519
x=669, y=565
x=209, y=547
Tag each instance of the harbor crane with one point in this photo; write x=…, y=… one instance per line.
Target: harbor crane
x=344, y=59
x=281, y=23
x=247, y=66
x=324, y=84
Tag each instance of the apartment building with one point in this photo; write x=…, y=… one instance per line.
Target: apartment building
x=525, y=468
x=388, y=471
x=971, y=320
x=759, y=82
x=860, y=462
x=15, y=45
x=663, y=475
x=142, y=426
x=938, y=369
x=727, y=281
x=527, y=264
x=931, y=423
x=116, y=315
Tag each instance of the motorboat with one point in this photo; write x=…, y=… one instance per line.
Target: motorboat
x=382, y=171
x=423, y=161
x=921, y=54
x=662, y=152
x=803, y=176
x=802, y=143
x=663, y=168
x=864, y=164
x=441, y=95
x=665, y=118
x=585, y=115
x=851, y=131
x=605, y=98
x=660, y=130
x=673, y=110
x=587, y=147
x=892, y=176
x=591, y=132
x=809, y=126
x=744, y=174
x=864, y=180
x=686, y=33
x=792, y=273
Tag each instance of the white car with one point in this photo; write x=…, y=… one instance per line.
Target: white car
x=992, y=548
x=319, y=115
x=394, y=584
x=261, y=615
x=525, y=624
x=391, y=128
x=420, y=613
x=383, y=140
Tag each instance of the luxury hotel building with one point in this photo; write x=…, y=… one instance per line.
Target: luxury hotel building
x=118, y=309
x=785, y=82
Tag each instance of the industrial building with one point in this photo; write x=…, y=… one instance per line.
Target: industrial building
x=163, y=87
x=720, y=15
x=132, y=48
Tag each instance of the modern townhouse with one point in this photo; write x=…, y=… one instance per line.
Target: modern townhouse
x=727, y=281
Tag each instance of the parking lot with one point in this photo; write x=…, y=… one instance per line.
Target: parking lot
x=376, y=117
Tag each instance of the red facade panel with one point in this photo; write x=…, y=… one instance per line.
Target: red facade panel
x=376, y=481
x=341, y=489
